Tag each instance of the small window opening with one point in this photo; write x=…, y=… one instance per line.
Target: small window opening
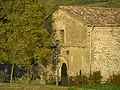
x=62, y=36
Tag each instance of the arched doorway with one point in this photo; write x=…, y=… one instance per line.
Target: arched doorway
x=64, y=75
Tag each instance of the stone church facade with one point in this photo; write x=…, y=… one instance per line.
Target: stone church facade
x=89, y=39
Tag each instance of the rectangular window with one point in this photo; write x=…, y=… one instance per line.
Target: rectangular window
x=62, y=36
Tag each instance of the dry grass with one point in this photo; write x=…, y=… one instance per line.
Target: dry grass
x=13, y=86
x=8, y=86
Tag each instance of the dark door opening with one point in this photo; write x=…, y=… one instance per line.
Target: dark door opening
x=64, y=75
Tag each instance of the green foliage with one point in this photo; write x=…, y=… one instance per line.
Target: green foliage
x=95, y=77
x=114, y=79
x=2, y=77
x=52, y=81
x=23, y=80
x=78, y=80
x=53, y=4
x=21, y=34
x=113, y=3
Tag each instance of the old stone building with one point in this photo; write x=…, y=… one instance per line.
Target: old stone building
x=89, y=40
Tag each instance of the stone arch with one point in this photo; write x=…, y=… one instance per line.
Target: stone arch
x=64, y=70
x=63, y=60
x=64, y=75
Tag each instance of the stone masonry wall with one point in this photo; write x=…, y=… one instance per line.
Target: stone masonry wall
x=74, y=30
x=105, y=51
x=74, y=41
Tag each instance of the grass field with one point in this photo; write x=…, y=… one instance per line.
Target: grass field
x=13, y=86
x=7, y=86
x=29, y=87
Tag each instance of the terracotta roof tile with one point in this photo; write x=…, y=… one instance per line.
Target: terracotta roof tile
x=94, y=15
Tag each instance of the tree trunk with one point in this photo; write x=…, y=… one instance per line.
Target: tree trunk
x=11, y=74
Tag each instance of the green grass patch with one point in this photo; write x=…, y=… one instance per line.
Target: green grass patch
x=72, y=88
x=14, y=86
x=100, y=87
x=101, y=4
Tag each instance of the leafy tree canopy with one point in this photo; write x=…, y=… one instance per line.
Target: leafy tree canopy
x=21, y=35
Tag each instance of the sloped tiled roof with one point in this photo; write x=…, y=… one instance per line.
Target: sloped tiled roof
x=94, y=15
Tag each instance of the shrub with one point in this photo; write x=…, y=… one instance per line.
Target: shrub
x=51, y=81
x=24, y=80
x=78, y=80
x=2, y=78
x=95, y=78
x=114, y=79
